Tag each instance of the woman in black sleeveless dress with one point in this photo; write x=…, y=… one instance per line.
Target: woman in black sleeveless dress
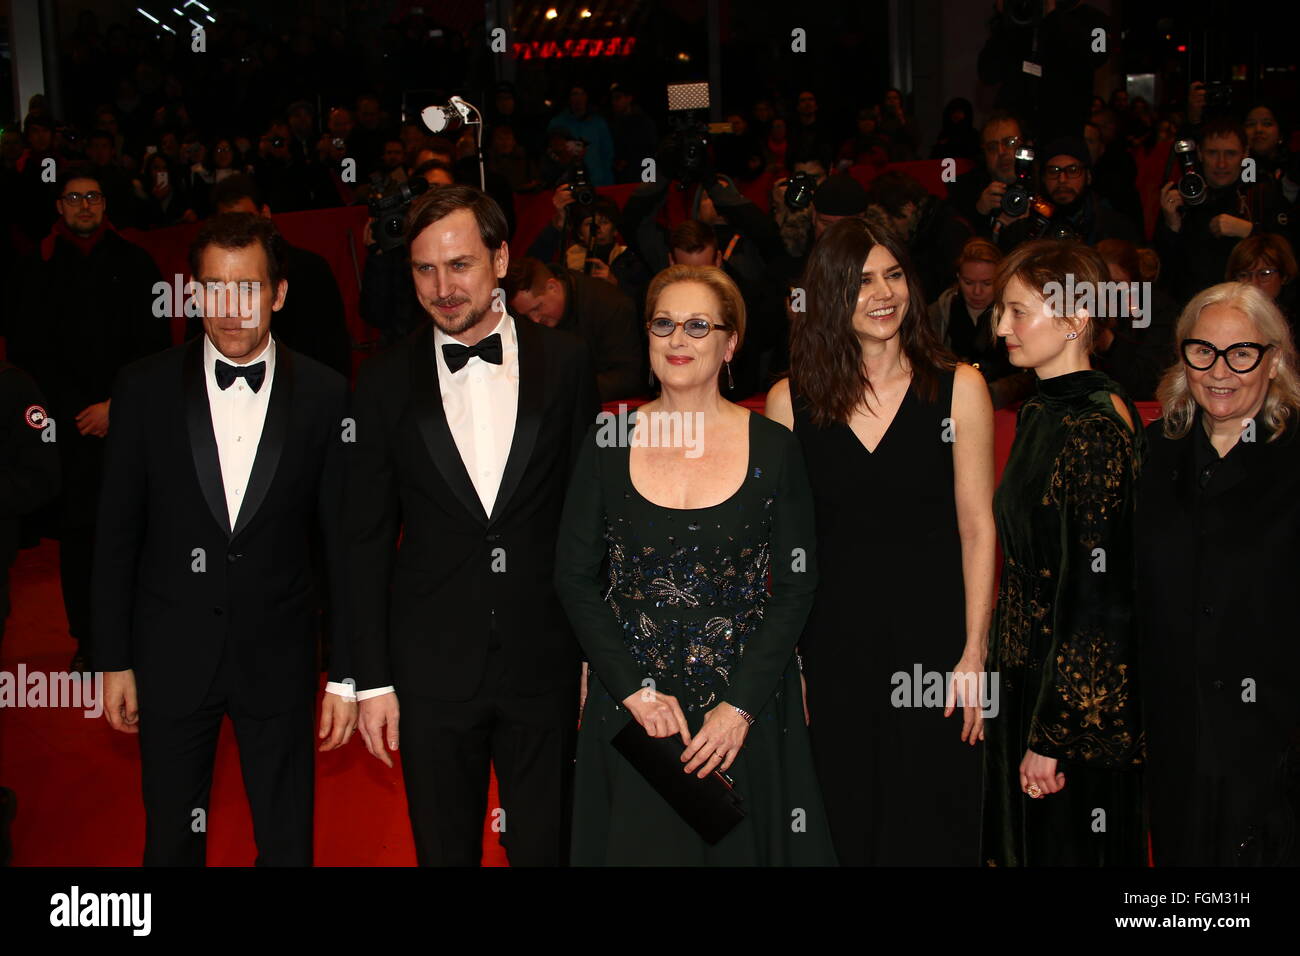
x=898, y=441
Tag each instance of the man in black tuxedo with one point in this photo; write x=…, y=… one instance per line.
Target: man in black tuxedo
x=225, y=454
x=466, y=434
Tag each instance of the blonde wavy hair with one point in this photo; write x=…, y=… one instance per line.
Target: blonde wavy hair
x=1282, y=401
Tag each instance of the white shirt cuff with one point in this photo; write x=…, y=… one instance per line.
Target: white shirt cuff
x=375, y=692
x=346, y=691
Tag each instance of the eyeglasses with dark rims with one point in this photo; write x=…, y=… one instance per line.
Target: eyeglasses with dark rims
x=1241, y=357
x=695, y=328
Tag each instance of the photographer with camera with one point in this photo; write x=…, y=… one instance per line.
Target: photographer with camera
x=388, y=298
x=1076, y=209
x=750, y=238
x=977, y=194
x=1208, y=209
x=792, y=200
x=586, y=228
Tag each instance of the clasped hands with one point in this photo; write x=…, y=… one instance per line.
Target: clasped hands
x=714, y=747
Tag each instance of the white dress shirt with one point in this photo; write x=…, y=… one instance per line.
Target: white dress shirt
x=481, y=401
x=238, y=417
x=238, y=414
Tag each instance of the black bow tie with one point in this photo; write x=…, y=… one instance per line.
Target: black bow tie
x=489, y=350
x=227, y=373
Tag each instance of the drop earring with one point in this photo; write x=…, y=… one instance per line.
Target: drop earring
x=731, y=382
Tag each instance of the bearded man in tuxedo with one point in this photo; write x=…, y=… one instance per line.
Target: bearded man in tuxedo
x=466, y=435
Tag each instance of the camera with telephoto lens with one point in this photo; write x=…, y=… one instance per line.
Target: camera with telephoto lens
x=389, y=213
x=1015, y=201
x=1043, y=221
x=1191, y=184
x=799, y=190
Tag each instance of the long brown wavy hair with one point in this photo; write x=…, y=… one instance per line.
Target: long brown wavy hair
x=825, y=352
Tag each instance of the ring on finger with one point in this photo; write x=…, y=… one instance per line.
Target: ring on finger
x=1034, y=791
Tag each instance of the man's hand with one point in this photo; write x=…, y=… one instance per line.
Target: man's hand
x=991, y=198
x=120, y=706
x=1224, y=226
x=93, y=419
x=1171, y=201
x=338, y=718
x=600, y=270
x=378, y=724
x=562, y=199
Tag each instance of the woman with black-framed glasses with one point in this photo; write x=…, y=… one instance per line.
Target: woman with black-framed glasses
x=1218, y=538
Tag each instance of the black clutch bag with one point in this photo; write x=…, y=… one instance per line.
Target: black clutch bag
x=710, y=805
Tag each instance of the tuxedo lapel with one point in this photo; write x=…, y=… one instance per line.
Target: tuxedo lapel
x=203, y=441
x=431, y=419
x=274, y=432
x=528, y=417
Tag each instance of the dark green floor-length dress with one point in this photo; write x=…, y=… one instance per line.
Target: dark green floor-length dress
x=1063, y=645
x=679, y=597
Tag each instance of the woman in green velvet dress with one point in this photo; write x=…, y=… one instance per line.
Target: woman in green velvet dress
x=662, y=564
x=1062, y=758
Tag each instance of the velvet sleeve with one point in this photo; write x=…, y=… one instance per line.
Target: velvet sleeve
x=1087, y=709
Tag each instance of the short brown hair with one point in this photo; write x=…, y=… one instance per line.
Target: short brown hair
x=238, y=230
x=693, y=236
x=525, y=275
x=439, y=203
x=1045, y=261
x=729, y=297
x=1264, y=247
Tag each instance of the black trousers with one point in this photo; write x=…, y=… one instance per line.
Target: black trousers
x=446, y=750
x=76, y=556
x=276, y=757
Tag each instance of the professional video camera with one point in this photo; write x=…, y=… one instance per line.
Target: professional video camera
x=686, y=150
x=1191, y=184
x=389, y=213
x=1015, y=201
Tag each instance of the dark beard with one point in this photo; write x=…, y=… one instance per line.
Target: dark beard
x=472, y=318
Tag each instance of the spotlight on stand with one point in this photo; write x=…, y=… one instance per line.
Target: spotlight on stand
x=457, y=113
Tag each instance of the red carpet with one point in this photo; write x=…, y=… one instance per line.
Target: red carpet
x=78, y=781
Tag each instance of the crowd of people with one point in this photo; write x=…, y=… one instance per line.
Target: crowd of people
x=769, y=597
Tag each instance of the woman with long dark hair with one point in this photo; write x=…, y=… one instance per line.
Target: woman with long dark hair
x=898, y=440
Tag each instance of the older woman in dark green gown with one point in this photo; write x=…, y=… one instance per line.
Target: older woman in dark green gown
x=662, y=565
x=1062, y=785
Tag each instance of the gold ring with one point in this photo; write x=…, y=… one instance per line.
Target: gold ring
x=1034, y=791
